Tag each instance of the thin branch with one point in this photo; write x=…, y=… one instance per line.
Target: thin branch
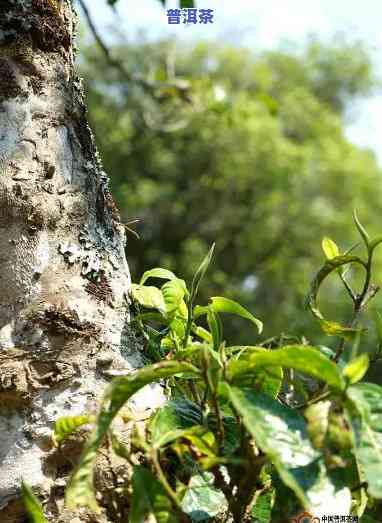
x=347, y=287
x=163, y=480
x=181, y=85
x=359, y=302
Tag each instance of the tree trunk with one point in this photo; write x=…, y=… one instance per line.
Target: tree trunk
x=64, y=279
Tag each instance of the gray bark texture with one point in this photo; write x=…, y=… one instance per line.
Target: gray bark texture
x=64, y=280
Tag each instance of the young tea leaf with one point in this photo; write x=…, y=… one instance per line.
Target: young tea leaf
x=149, y=297
x=332, y=328
x=119, y=447
x=149, y=501
x=199, y=275
x=173, y=293
x=201, y=333
x=200, y=311
x=213, y=367
x=216, y=328
x=317, y=416
x=158, y=272
x=32, y=505
x=220, y=304
x=308, y=360
x=66, y=425
x=177, y=327
x=356, y=369
x=330, y=248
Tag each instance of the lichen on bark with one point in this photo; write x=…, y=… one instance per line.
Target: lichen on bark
x=64, y=280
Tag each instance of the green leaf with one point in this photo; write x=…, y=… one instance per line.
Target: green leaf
x=366, y=422
x=200, y=311
x=202, y=439
x=356, y=369
x=177, y=327
x=367, y=519
x=317, y=416
x=119, y=447
x=186, y=4
x=199, y=275
x=167, y=343
x=32, y=505
x=261, y=512
x=330, y=353
x=152, y=316
x=213, y=367
x=308, y=360
x=329, y=266
x=149, y=297
x=174, y=417
x=215, y=327
x=220, y=304
x=281, y=433
x=232, y=431
x=173, y=293
x=330, y=248
x=332, y=328
x=202, y=500
x=149, y=500
x=201, y=333
x=80, y=491
x=66, y=425
x=158, y=272
x=267, y=379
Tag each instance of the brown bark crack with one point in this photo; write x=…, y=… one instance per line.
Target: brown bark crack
x=9, y=87
x=37, y=23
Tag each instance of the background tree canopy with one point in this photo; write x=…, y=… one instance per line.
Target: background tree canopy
x=254, y=156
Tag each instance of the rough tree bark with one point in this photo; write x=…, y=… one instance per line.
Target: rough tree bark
x=64, y=279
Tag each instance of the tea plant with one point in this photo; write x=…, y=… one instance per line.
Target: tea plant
x=249, y=433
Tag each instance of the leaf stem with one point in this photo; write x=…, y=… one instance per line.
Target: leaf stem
x=219, y=418
x=359, y=301
x=316, y=399
x=163, y=480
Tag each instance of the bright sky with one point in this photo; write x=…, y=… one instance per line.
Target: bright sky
x=261, y=24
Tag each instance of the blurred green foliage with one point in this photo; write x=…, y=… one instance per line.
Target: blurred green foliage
x=254, y=156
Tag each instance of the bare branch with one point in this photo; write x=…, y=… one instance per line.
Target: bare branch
x=181, y=85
